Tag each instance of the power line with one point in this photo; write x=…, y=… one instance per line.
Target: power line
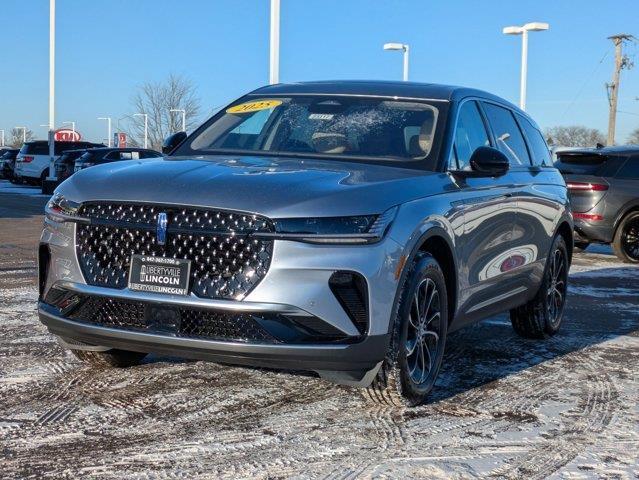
x=585, y=82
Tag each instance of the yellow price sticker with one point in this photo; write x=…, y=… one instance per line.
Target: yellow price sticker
x=254, y=106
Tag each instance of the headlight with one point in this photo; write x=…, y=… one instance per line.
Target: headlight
x=60, y=209
x=336, y=230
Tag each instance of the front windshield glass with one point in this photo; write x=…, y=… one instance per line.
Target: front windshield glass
x=323, y=126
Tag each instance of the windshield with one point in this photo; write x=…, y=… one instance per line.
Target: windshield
x=325, y=126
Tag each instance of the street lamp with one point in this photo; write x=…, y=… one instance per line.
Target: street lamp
x=146, y=127
x=183, y=117
x=274, y=50
x=51, y=133
x=24, y=133
x=72, y=126
x=108, y=119
x=404, y=48
x=523, y=31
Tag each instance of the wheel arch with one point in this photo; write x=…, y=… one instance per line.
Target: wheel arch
x=566, y=231
x=624, y=211
x=436, y=242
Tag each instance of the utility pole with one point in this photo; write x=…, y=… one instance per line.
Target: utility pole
x=621, y=61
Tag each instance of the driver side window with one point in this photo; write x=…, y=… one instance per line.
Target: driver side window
x=470, y=133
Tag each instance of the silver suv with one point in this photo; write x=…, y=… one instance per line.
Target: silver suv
x=343, y=228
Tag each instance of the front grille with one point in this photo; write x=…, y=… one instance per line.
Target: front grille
x=175, y=321
x=226, y=262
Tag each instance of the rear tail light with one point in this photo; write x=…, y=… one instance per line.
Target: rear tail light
x=587, y=187
x=27, y=159
x=588, y=216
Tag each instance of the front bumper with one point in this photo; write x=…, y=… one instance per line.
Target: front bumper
x=353, y=363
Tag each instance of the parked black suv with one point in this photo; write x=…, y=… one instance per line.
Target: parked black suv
x=65, y=164
x=8, y=162
x=98, y=156
x=603, y=184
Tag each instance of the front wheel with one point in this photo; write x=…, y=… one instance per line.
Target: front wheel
x=626, y=241
x=418, y=338
x=541, y=317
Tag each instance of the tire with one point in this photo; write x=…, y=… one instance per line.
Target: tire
x=541, y=317
x=110, y=358
x=580, y=246
x=626, y=241
x=43, y=177
x=403, y=379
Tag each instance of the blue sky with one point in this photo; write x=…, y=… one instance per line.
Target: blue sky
x=106, y=48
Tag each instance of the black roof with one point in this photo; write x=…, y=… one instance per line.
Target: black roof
x=616, y=150
x=382, y=88
x=122, y=149
x=79, y=142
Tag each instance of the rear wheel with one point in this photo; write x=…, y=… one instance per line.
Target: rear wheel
x=626, y=241
x=111, y=358
x=541, y=317
x=414, y=357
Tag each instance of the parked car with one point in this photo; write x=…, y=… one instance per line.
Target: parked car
x=7, y=162
x=32, y=162
x=343, y=228
x=65, y=164
x=603, y=185
x=98, y=156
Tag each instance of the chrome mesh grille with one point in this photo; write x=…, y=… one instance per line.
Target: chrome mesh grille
x=188, y=322
x=226, y=262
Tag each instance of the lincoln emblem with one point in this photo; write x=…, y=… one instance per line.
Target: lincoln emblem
x=160, y=230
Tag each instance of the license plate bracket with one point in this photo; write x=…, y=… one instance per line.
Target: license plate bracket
x=159, y=274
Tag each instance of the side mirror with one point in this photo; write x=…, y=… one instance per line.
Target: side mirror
x=489, y=162
x=172, y=141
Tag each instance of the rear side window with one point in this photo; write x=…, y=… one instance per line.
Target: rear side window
x=630, y=169
x=470, y=134
x=507, y=135
x=39, y=148
x=538, y=148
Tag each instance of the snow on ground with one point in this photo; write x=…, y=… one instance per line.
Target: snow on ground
x=563, y=408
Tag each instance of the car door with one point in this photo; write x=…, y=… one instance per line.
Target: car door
x=540, y=202
x=489, y=217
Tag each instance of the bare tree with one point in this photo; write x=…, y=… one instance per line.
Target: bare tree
x=633, y=138
x=156, y=99
x=17, y=137
x=574, y=136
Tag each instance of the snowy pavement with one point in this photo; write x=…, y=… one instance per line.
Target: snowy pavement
x=8, y=187
x=562, y=408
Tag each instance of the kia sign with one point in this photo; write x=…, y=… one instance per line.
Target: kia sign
x=66, y=135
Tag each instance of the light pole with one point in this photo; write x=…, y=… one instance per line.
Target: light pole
x=523, y=31
x=181, y=110
x=51, y=175
x=146, y=127
x=405, y=49
x=24, y=133
x=108, y=119
x=274, y=60
x=72, y=126
x=2, y=131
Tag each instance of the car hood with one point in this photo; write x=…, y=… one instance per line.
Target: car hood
x=275, y=187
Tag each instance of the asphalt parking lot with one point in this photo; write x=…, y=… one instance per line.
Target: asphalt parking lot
x=503, y=407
